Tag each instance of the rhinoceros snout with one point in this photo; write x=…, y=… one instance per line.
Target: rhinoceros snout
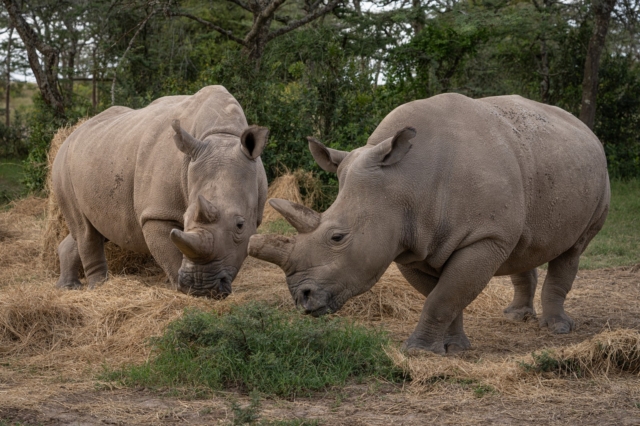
x=197, y=282
x=311, y=301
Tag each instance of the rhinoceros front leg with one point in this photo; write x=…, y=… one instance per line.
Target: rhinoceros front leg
x=524, y=290
x=455, y=339
x=466, y=274
x=166, y=254
x=70, y=264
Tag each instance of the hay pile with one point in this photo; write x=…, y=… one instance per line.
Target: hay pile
x=301, y=187
x=43, y=326
x=614, y=350
x=119, y=261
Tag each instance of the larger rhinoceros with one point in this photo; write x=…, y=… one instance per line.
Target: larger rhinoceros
x=181, y=179
x=455, y=191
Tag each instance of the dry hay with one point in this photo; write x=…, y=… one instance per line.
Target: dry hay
x=288, y=187
x=119, y=260
x=391, y=298
x=612, y=350
x=44, y=326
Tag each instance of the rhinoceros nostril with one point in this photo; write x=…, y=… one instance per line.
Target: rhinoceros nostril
x=305, y=295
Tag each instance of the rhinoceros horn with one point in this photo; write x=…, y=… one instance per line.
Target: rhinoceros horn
x=328, y=159
x=300, y=217
x=205, y=211
x=185, y=142
x=275, y=249
x=189, y=243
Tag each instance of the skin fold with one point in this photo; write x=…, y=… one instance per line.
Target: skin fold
x=455, y=191
x=180, y=179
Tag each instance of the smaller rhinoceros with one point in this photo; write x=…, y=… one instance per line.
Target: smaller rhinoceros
x=455, y=191
x=180, y=179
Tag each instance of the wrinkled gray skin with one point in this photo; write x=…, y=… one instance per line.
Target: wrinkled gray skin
x=455, y=191
x=180, y=179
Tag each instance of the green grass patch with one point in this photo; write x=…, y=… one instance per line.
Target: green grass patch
x=278, y=226
x=618, y=243
x=11, y=176
x=548, y=362
x=256, y=347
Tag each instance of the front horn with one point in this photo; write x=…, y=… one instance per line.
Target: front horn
x=274, y=249
x=189, y=243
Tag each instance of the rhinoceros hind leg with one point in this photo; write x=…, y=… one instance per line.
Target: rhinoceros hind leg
x=562, y=271
x=524, y=289
x=91, y=250
x=70, y=264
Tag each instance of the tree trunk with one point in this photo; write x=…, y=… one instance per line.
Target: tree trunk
x=46, y=78
x=8, y=93
x=418, y=21
x=602, y=11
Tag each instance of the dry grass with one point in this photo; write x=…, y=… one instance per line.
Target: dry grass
x=609, y=351
x=51, y=337
x=119, y=260
x=288, y=186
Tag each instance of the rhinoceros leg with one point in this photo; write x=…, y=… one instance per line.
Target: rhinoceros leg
x=466, y=274
x=166, y=254
x=91, y=249
x=562, y=271
x=70, y=264
x=524, y=287
x=455, y=339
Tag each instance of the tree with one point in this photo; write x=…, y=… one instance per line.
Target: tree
x=46, y=73
x=602, y=12
x=264, y=14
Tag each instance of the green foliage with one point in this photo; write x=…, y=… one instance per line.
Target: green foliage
x=618, y=243
x=12, y=138
x=258, y=348
x=278, y=226
x=11, y=175
x=480, y=391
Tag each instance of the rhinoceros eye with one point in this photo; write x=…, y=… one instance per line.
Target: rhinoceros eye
x=337, y=237
x=240, y=224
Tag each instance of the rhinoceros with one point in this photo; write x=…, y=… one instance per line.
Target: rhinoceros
x=454, y=191
x=180, y=179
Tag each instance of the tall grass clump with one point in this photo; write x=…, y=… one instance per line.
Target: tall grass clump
x=255, y=347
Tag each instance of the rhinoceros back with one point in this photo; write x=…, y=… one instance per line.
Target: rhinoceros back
x=122, y=167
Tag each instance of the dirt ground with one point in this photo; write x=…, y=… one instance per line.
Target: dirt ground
x=54, y=343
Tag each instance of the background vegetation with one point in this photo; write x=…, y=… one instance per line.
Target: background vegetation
x=335, y=77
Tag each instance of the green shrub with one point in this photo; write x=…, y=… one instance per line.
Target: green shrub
x=259, y=348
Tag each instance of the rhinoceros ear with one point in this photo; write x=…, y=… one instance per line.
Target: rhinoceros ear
x=185, y=142
x=328, y=159
x=393, y=149
x=300, y=217
x=253, y=141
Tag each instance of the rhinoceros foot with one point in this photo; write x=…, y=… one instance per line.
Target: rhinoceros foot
x=558, y=324
x=519, y=314
x=415, y=346
x=456, y=343
x=69, y=284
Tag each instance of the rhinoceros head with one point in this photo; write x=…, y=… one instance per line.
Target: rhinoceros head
x=224, y=208
x=344, y=251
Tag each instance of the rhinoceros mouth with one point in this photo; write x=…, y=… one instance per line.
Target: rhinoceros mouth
x=199, y=282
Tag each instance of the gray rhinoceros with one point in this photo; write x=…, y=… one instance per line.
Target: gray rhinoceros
x=181, y=179
x=455, y=191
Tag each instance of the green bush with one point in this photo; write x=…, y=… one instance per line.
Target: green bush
x=259, y=348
